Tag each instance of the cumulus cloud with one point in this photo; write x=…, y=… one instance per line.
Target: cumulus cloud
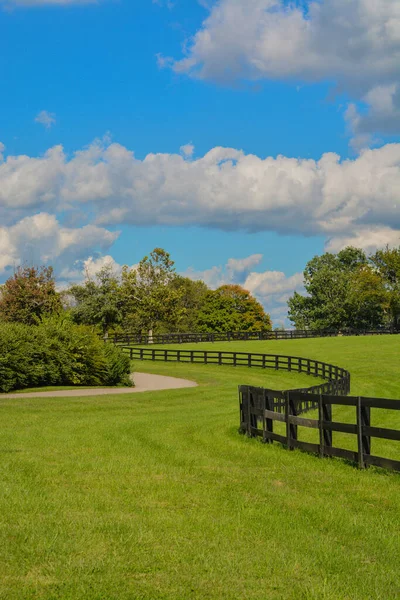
x=355, y=44
x=46, y=118
x=225, y=189
x=368, y=238
x=271, y=288
x=40, y=239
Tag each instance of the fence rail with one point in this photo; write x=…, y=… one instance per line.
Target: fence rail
x=337, y=380
x=185, y=338
x=260, y=408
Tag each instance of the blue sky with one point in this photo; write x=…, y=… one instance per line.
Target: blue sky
x=243, y=136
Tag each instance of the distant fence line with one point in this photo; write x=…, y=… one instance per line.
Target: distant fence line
x=260, y=407
x=185, y=338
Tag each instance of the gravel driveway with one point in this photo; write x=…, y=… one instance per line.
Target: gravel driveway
x=144, y=382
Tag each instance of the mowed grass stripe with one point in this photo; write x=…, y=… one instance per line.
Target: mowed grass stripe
x=155, y=495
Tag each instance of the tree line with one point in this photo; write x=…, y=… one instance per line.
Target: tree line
x=150, y=298
x=347, y=290
x=351, y=290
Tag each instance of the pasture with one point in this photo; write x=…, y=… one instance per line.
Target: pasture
x=156, y=496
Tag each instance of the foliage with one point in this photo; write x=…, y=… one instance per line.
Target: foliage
x=29, y=295
x=148, y=294
x=367, y=299
x=57, y=352
x=98, y=301
x=118, y=366
x=349, y=290
x=327, y=283
x=190, y=297
x=232, y=308
x=387, y=262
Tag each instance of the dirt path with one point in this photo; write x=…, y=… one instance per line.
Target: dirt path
x=144, y=382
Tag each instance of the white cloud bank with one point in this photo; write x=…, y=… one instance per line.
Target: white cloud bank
x=225, y=189
x=40, y=239
x=354, y=43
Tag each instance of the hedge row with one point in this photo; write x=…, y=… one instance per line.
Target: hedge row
x=58, y=352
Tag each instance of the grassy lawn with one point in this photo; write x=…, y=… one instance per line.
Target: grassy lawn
x=155, y=495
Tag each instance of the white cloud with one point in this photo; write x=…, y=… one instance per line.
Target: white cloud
x=354, y=43
x=225, y=189
x=382, y=114
x=187, y=150
x=368, y=238
x=40, y=239
x=2, y=149
x=46, y=118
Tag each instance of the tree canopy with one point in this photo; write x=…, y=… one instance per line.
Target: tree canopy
x=231, y=308
x=349, y=290
x=29, y=295
x=98, y=300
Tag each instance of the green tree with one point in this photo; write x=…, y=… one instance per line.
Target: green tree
x=327, y=281
x=29, y=295
x=149, y=295
x=232, y=308
x=98, y=300
x=367, y=299
x=387, y=262
x=191, y=295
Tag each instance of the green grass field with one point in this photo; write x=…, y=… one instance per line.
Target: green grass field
x=156, y=496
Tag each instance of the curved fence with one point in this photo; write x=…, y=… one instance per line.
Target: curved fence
x=261, y=408
x=337, y=380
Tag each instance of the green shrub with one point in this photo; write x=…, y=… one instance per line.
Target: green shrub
x=118, y=366
x=58, y=352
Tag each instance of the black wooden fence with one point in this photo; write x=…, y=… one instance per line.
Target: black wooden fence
x=261, y=408
x=337, y=379
x=128, y=338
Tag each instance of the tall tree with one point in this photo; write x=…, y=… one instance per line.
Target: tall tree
x=232, y=308
x=191, y=295
x=387, y=262
x=98, y=300
x=327, y=281
x=29, y=295
x=367, y=300
x=149, y=296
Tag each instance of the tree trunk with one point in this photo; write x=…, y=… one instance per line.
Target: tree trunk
x=150, y=340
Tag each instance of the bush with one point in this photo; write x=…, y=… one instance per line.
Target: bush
x=57, y=352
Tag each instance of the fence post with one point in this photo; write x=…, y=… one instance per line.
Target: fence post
x=290, y=410
x=327, y=418
x=365, y=417
x=359, y=436
x=321, y=429
x=131, y=353
x=269, y=423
